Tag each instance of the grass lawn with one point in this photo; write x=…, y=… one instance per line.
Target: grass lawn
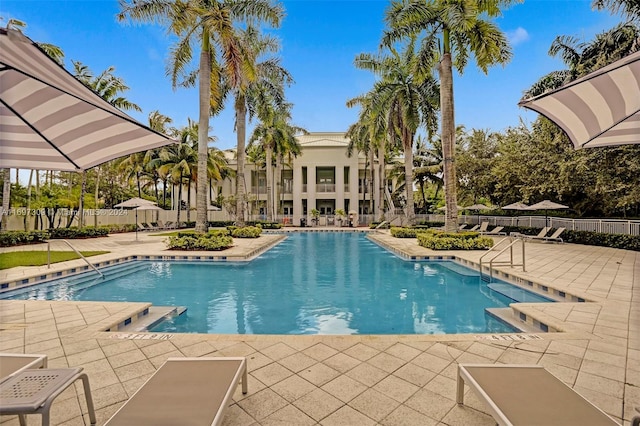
x=38, y=258
x=169, y=234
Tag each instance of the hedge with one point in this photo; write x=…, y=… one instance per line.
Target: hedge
x=246, y=232
x=208, y=242
x=75, y=232
x=399, y=232
x=15, y=238
x=451, y=241
x=265, y=225
x=221, y=223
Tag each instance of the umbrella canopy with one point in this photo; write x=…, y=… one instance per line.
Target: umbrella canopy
x=547, y=205
x=445, y=207
x=49, y=120
x=516, y=206
x=478, y=207
x=148, y=207
x=599, y=109
x=135, y=202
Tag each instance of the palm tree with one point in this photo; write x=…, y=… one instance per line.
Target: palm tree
x=210, y=23
x=266, y=82
x=447, y=26
x=276, y=134
x=409, y=100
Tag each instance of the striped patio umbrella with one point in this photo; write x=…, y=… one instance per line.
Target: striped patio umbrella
x=599, y=109
x=51, y=121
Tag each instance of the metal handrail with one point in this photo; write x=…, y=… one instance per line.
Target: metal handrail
x=77, y=252
x=506, y=262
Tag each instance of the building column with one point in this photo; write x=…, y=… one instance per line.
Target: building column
x=311, y=188
x=297, y=194
x=353, y=188
x=339, y=187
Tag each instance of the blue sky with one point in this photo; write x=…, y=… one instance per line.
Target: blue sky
x=320, y=40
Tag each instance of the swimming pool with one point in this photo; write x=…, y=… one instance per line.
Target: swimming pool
x=311, y=283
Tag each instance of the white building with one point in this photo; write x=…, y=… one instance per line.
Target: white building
x=322, y=177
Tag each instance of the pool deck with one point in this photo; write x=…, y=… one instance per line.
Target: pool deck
x=349, y=380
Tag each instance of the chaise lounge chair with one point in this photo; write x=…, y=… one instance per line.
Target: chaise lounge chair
x=197, y=389
x=528, y=395
x=543, y=232
x=11, y=364
x=555, y=236
x=495, y=231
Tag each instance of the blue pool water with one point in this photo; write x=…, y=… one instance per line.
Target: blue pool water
x=311, y=283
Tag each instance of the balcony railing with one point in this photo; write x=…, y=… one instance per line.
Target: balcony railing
x=326, y=187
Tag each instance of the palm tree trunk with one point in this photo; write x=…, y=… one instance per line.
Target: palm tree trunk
x=204, y=78
x=269, y=176
x=408, y=174
x=179, y=201
x=372, y=165
x=241, y=128
x=27, y=215
x=83, y=190
x=277, y=178
x=382, y=179
x=96, y=194
x=189, y=199
x=6, y=196
x=448, y=142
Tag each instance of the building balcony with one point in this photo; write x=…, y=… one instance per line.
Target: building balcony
x=326, y=187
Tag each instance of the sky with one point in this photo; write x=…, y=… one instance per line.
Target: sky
x=320, y=39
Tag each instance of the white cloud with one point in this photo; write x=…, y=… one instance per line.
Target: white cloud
x=518, y=36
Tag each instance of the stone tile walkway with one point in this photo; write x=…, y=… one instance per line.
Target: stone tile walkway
x=351, y=380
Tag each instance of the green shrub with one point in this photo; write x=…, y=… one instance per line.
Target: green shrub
x=221, y=223
x=399, y=232
x=452, y=241
x=74, y=232
x=219, y=232
x=200, y=242
x=265, y=225
x=246, y=232
x=15, y=238
x=428, y=224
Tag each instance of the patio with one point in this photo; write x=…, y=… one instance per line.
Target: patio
x=349, y=380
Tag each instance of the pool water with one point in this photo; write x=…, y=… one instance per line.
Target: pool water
x=311, y=283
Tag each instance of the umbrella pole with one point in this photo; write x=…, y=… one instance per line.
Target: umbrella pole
x=136, y=225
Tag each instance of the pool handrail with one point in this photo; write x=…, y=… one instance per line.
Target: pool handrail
x=77, y=252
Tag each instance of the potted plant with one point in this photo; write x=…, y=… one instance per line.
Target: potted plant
x=315, y=214
x=340, y=215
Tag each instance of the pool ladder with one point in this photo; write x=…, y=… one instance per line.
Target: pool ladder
x=493, y=261
x=77, y=252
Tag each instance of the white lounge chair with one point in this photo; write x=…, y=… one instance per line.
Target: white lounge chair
x=543, y=232
x=197, y=389
x=528, y=395
x=475, y=228
x=483, y=227
x=495, y=231
x=11, y=364
x=555, y=236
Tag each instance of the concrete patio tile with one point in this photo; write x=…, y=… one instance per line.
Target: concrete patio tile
x=341, y=362
x=344, y=388
x=297, y=362
x=430, y=404
x=604, y=370
x=340, y=343
x=320, y=351
x=81, y=358
x=461, y=415
x=262, y=404
x=403, y=351
x=278, y=351
x=131, y=386
x=257, y=360
x=271, y=374
x=319, y=374
x=448, y=351
x=126, y=358
x=367, y=374
x=415, y=374
x=431, y=362
x=405, y=416
x=198, y=349
x=347, y=416
x=136, y=369
x=604, y=357
x=486, y=350
x=396, y=388
x=239, y=349
x=293, y=387
x=157, y=361
x=600, y=384
x=375, y=404
x=607, y=403
x=236, y=416
x=442, y=386
x=386, y=362
x=109, y=395
x=284, y=416
x=114, y=347
x=361, y=352
x=566, y=374
x=318, y=404
x=159, y=348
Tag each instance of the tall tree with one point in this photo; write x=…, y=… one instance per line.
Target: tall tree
x=463, y=27
x=209, y=23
